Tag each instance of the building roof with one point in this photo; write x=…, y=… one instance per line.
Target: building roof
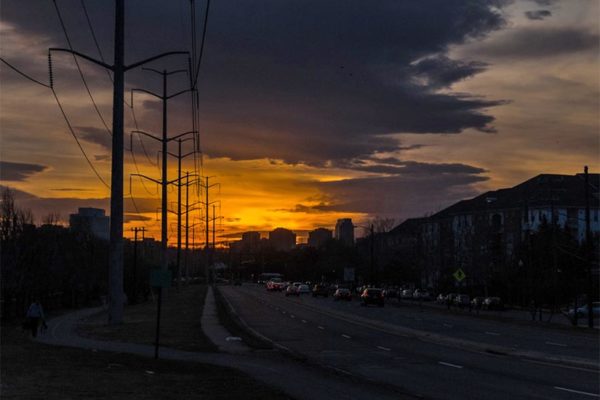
x=541, y=191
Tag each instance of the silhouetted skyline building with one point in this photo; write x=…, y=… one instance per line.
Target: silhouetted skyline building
x=319, y=237
x=282, y=239
x=91, y=220
x=344, y=231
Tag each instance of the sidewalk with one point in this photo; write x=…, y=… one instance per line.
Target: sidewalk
x=296, y=379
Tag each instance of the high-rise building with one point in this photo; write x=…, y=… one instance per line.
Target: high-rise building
x=344, y=231
x=91, y=220
x=319, y=237
x=282, y=239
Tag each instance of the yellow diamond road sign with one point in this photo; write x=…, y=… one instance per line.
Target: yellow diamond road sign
x=459, y=275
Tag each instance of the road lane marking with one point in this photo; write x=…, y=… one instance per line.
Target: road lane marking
x=320, y=327
x=556, y=344
x=576, y=391
x=492, y=333
x=384, y=348
x=450, y=365
x=593, y=371
x=292, y=316
x=346, y=336
x=303, y=321
x=283, y=312
x=448, y=325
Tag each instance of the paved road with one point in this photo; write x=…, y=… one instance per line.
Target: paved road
x=335, y=334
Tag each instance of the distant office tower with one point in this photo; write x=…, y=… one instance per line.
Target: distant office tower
x=344, y=231
x=319, y=237
x=250, y=241
x=91, y=220
x=282, y=239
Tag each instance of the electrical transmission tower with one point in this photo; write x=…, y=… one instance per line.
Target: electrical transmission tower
x=115, y=308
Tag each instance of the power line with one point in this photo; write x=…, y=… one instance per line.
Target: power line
x=87, y=88
x=77, y=140
x=23, y=74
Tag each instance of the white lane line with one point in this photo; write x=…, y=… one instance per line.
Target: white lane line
x=283, y=312
x=303, y=321
x=346, y=336
x=292, y=316
x=448, y=325
x=556, y=344
x=320, y=327
x=577, y=391
x=449, y=365
x=492, y=333
x=384, y=348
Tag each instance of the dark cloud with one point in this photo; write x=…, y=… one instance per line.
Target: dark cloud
x=95, y=135
x=542, y=42
x=538, y=14
x=18, y=172
x=136, y=217
x=400, y=196
x=310, y=81
x=440, y=71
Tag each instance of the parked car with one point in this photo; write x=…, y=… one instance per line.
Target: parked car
x=493, y=303
x=450, y=298
x=342, y=294
x=406, y=294
x=372, y=296
x=291, y=291
x=462, y=300
x=420, y=294
x=441, y=298
x=303, y=289
x=583, y=310
x=320, y=290
x=477, y=302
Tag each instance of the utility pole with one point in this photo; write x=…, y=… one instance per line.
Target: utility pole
x=135, y=241
x=179, y=157
x=589, y=247
x=206, y=186
x=115, y=272
x=372, y=258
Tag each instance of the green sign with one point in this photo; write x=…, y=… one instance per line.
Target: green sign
x=459, y=275
x=160, y=278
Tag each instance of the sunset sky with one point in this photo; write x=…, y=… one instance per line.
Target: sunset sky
x=310, y=110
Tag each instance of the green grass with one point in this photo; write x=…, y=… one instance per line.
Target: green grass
x=181, y=313
x=32, y=370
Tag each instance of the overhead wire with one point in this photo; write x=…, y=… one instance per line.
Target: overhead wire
x=51, y=87
x=87, y=88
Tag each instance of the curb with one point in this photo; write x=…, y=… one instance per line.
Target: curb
x=251, y=332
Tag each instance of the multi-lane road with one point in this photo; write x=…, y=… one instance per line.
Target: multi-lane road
x=426, y=352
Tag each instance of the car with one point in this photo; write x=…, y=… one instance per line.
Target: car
x=441, y=298
x=275, y=284
x=477, y=302
x=303, y=289
x=462, y=300
x=406, y=294
x=320, y=290
x=493, y=303
x=342, y=294
x=291, y=291
x=583, y=310
x=372, y=296
x=420, y=294
x=450, y=298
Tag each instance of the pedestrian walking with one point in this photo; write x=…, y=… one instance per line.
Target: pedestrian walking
x=35, y=317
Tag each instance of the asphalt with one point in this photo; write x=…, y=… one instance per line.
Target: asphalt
x=297, y=379
x=368, y=343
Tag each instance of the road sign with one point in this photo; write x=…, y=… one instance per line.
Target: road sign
x=459, y=275
x=160, y=278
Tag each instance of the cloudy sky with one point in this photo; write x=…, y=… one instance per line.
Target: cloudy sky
x=309, y=110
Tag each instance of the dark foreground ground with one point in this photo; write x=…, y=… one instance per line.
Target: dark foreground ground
x=31, y=370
